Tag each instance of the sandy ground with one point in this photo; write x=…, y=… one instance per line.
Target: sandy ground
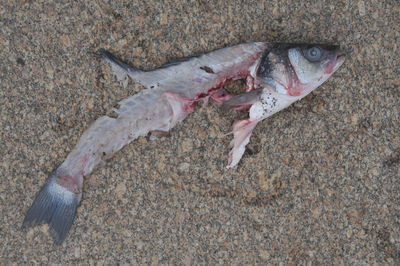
x=320, y=180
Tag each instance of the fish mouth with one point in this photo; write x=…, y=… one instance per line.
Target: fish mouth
x=337, y=60
x=340, y=57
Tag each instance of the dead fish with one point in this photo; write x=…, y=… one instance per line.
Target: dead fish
x=276, y=76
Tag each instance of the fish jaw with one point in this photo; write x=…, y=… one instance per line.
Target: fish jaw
x=285, y=77
x=334, y=65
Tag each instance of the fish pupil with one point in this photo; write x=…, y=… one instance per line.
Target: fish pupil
x=314, y=52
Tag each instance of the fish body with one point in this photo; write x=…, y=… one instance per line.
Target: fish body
x=276, y=76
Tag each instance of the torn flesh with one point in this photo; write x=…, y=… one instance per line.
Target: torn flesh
x=170, y=95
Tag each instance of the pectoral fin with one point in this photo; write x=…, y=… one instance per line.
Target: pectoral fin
x=241, y=136
x=247, y=98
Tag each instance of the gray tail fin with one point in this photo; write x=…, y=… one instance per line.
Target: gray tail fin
x=53, y=205
x=121, y=70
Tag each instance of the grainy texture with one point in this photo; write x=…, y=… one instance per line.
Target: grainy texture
x=319, y=184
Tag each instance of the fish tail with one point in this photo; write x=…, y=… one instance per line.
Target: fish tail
x=54, y=205
x=121, y=70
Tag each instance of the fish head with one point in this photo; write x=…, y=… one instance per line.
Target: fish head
x=297, y=69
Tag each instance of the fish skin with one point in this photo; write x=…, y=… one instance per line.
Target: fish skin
x=274, y=79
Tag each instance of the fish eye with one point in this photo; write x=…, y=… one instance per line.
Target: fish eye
x=313, y=54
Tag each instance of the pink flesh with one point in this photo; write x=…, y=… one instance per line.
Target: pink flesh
x=74, y=182
x=249, y=83
x=188, y=104
x=218, y=93
x=242, y=129
x=107, y=135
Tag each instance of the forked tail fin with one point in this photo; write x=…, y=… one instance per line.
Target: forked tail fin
x=54, y=205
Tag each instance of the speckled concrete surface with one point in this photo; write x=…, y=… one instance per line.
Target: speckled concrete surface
x=319, y=184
